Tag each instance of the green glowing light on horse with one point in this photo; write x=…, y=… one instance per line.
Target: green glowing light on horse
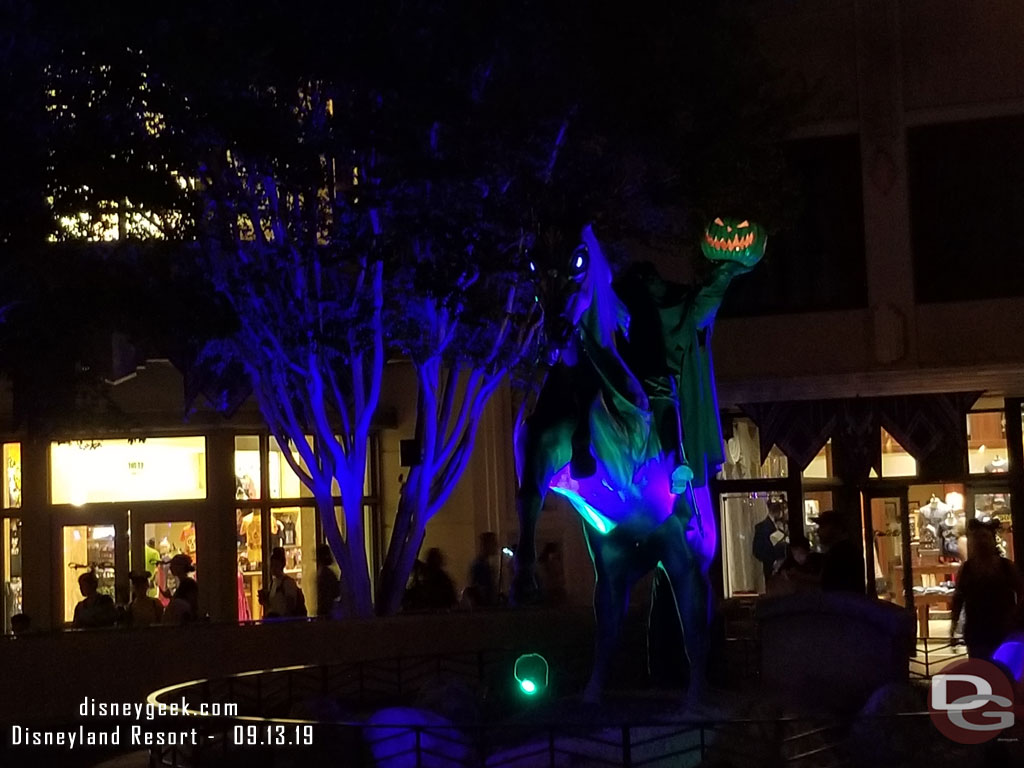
x=591, y=515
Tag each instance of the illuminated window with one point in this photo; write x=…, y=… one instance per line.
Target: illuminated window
x=285, y=484
x=87, y=548
x=996, y=506
x=821, y=467
x=291, y=528
x=280, y=519
x=12, y=598
x=987, y=451
x=247, y=467
x=150, y=469
x=755, y=534
x=163, y=541
x=12, y=475
x=742, y=453
x=896, y=462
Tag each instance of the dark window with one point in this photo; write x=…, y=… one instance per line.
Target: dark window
x=966, y=205
x=817, y=262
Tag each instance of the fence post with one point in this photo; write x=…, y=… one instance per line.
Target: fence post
x=551, y=746
x=627, y=748
x=419, y=750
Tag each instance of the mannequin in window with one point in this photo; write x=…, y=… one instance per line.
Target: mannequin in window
x=998, y=464
x=931, y=516
x=771, y=536
x=949, y=535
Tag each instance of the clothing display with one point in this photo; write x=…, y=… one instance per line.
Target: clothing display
x=252, y=529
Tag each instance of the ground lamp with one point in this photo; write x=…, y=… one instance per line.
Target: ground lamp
x=531, y=672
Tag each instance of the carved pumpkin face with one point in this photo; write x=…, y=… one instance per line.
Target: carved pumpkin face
x=736, y=240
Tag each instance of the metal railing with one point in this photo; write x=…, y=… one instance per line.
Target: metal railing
x=334, y=706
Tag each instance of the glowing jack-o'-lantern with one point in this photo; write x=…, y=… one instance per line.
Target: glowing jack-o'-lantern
x=736, y=240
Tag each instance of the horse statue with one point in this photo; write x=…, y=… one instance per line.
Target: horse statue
x=626, y=428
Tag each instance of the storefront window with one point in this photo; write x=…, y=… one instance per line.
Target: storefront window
x=742, y=453
x=12, y=475
x=12, y=598
x=815, y=502
x=248, y=523
x=896, y=462
x=755, y=532
x=247, y=467
x=986, y=443
x=996, y=506
x=150, y=469
x=291, y=528
x=87, y=548
x=820, y=467
x=285, y=484
x=164, y=541
x=938, y=546
x=887, y=526
x=295, y=532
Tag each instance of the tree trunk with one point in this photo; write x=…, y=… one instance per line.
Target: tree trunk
x=404, y=546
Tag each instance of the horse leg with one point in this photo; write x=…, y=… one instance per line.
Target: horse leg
x=692, y=594
x=612, y=566
x=545, y=449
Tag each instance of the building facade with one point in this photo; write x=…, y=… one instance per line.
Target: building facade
x=873, y=364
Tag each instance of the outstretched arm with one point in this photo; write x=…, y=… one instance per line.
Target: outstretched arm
x=709, y=297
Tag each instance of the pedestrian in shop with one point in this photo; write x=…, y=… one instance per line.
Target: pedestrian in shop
x=988, y=591
x=482, y=590
x=436, y=588
x=328, y=586
x=95, y=609
x=842, y=566
x=188, y=589
x=800, y=571
x=143, y=610
x=283, y=598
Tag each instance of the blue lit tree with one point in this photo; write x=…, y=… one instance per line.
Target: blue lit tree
x=373, y=215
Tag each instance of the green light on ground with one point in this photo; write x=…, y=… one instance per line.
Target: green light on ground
x=531, y=672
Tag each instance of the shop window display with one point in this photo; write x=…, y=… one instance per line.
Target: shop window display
x=291, y=528
x=815, y=502
x=987, y=448
x=150, y=469
x=996, y=506
x=12, y=475
x=163, y=541
x=87, y=548
x=937, y=525
x=742, y=453
x=755, y=534
x=12, y=559
x=247, y=467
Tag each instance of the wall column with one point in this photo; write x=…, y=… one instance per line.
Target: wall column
x=890, y=272
x=217, y=555
x=38, y=565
